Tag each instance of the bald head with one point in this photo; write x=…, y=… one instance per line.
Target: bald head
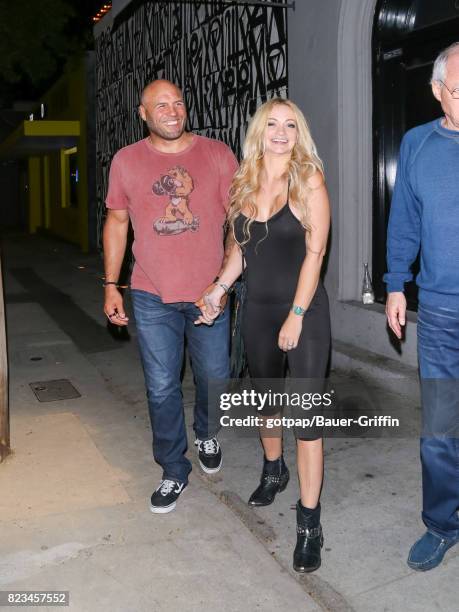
x=163, y=110
x=452, y=64
x=157, y=87
x=442, y=60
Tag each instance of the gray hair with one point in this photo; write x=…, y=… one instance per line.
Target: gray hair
x=439, y=67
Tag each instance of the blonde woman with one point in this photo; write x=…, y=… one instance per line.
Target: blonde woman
x=279, y=216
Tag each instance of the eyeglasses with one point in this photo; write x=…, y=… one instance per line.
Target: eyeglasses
x=454, y=92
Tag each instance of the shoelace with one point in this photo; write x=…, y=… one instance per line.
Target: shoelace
x=166, y=487
x=210, y=447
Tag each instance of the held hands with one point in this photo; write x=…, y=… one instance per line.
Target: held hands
x=211, y=304
x=290, y=332
x=396, y=312
x=200, y=302
x=113, y=306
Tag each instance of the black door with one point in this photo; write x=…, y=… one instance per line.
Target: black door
x=407, y=37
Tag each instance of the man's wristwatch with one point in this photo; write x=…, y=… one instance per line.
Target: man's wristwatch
x=298, y=310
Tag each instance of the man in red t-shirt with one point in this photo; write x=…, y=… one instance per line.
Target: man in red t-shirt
x=173, y=187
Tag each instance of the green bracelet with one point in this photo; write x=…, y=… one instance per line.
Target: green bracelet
x=298, y=310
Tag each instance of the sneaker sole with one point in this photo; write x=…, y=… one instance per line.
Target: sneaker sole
x=210, y=470
x=165, y=509
x=162, y=509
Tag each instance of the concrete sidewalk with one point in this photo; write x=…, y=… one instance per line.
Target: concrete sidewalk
x=74, y=508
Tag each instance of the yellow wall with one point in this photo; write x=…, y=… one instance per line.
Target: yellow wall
x=34, y=194
x=46, y=193
x=65, y=100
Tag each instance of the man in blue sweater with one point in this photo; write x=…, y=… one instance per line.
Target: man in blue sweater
x=425, y=216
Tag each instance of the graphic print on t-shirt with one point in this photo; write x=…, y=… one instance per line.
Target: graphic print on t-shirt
x=177, y=185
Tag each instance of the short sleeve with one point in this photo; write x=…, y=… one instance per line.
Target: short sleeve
x=116, y=195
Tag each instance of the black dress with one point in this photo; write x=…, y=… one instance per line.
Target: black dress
x=274, y=256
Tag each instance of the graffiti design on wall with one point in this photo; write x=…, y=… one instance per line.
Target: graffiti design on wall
x=227, y=59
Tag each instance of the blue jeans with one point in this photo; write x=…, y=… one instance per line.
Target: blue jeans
x=438, y=353
x=162, y=329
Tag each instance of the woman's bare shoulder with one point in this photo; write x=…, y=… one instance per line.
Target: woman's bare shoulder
x=316, y=180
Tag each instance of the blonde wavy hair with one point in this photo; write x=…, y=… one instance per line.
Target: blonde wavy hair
x=303, y=163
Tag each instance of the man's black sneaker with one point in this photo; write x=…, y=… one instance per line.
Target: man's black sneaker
x=210, y=455
x=165, y=497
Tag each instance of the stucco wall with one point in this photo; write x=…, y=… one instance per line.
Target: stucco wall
x=330, y=79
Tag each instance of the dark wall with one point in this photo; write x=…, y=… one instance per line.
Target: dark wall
x=13, y=204
x=227, y=60
x=91, y=151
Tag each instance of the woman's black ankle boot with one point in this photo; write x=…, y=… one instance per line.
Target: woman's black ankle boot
x=310, y=540
x=274, y=479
